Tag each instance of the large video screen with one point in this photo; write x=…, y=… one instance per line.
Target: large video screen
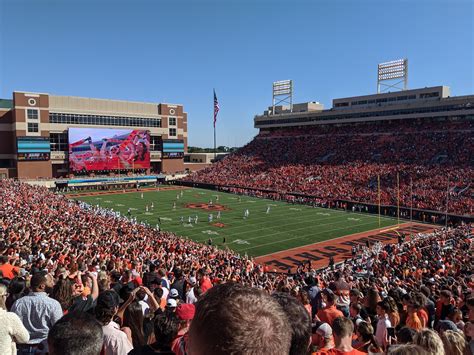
x=99, y=149
x=33, y=148
x=173, y=148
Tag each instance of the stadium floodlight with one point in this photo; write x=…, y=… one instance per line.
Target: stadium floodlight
x=393, y=70
x=282, y=93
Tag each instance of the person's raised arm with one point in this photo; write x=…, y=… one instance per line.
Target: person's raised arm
x=152, y=302
x=95, y=286
x=131, y=298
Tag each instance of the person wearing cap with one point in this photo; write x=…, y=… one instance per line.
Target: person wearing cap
x=116, y=341
x=185, y=314
x=330, y=312
x=174, y=294
x=322, y=337
x=342, y=330
x=171, y=305
x=194, y=292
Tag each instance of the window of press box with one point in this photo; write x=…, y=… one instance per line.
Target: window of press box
x=172, y=121
x=172, y=132
x=32, y=114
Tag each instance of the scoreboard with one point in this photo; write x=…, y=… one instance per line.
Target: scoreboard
x=33, y=148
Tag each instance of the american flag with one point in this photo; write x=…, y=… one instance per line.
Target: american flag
x=216, y=108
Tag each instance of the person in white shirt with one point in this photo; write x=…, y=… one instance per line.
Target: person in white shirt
x=191, y=296
x=382, y=324
x=117, y=341
x=12, y=330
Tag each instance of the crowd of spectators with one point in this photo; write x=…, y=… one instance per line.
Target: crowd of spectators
x=433, y=161
x=77, y=279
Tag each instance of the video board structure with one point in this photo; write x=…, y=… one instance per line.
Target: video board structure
x=105, y=149
x=33, y=148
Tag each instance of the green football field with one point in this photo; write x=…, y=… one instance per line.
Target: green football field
x=285, y=226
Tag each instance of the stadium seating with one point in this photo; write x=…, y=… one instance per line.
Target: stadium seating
x=343, y=162
x=42, y=232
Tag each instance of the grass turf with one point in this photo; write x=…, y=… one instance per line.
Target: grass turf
x=286, y=226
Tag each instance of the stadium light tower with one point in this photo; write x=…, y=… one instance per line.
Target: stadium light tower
x=283, y=93
x=395, y=70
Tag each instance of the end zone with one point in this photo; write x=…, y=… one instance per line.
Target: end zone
x=339, y=248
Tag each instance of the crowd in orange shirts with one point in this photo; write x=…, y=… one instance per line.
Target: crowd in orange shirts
x=80, y=256
x=433, y=160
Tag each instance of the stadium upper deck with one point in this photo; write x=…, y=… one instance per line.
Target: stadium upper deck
x=432, y=102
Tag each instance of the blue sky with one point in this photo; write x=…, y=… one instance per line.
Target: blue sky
x=178, y=51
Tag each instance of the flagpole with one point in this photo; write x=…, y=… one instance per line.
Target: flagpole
x=215, y=142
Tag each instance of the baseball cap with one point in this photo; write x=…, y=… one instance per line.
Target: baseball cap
x=324, y=330
x=185, y=311
x=108, y=299
x=174, y=293
x=171, y=303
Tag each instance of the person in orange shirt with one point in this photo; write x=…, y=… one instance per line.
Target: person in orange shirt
x=413, y=321
x=203, y=280
x=8, y=270
x=342, y=330
x=330, y=312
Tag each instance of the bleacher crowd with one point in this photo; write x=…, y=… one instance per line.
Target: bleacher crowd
x=433, y=160
x=76, y=279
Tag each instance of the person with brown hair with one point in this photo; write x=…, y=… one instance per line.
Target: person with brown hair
x=365, y=337
x=299, y=319
x=234, y=319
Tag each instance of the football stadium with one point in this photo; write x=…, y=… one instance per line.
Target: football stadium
x=345, y=229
